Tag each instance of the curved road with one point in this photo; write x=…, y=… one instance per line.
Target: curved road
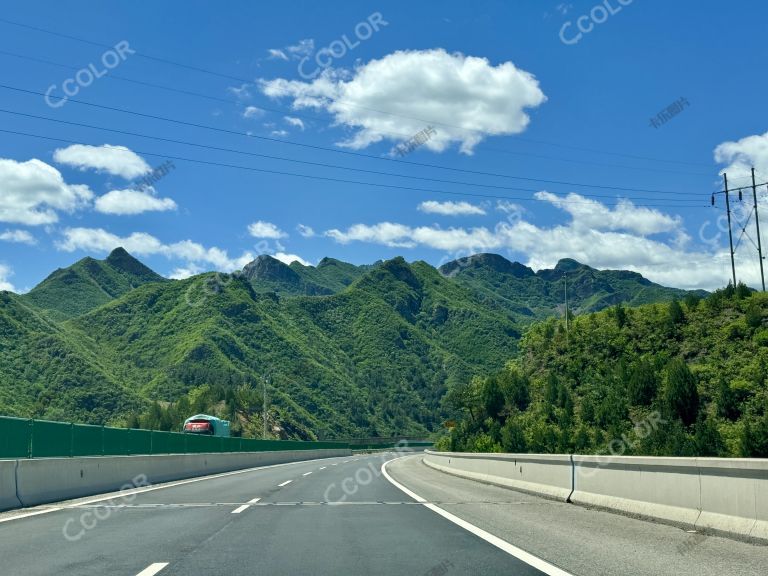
x=347, y=516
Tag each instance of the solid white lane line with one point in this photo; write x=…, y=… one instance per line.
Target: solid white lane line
x=511, y=549
x=240, y=509
x=285, y=483
x=254, y=501
x=306, y=473
x=152, y=569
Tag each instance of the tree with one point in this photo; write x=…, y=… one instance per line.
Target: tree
x=675, y=314
x=681, y=397
x=643, y=384
x=513, y=437
x=492, y=397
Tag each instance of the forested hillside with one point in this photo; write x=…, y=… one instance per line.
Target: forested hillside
x=673, y=379
x=347, y=350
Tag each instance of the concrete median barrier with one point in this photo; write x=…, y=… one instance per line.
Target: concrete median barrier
x=543, y=474
x=711, y=495
x=44, y=480
x=8, y=497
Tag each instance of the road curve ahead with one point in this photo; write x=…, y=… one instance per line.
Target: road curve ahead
x=335, y=517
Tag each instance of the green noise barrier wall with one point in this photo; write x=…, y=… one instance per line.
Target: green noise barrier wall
x=23, y=438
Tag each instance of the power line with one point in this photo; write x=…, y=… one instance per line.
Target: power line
x=284, y=111
x=249, y=81
x=294, y=160
x=356, y=154
x=325, y=178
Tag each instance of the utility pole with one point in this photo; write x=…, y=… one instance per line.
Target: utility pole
x=264, y=409
x=757, y=224
x=730, y=234
x=565, y=277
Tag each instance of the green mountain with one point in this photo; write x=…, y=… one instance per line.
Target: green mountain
x=348, y=350
x=89, y=283
x=663, y=379
x=533, y=295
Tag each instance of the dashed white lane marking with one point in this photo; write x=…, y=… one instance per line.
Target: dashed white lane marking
x=306, y=473
x=240, y=509
x=254, y=501
x=510, y=549
x=153, y=569
x=285, y=483
x=323, y=467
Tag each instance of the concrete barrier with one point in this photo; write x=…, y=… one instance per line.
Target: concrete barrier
x=543, y=474
x=8, y=497
x=44, y=480
x=711, y=495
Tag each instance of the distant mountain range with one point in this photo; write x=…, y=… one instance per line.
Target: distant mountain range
x=349, y=350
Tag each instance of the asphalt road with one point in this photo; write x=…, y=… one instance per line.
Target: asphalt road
x=344, y=516
x=327, y=517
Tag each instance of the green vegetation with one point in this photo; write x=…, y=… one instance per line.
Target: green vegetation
x=349, y=350
x=676, y=379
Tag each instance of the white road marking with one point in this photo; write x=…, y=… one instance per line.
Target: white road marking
x=153, y=569
x=285, y=483
x=124, y=493
x=512, y=550
x=306, y=473
x=240, y=509
x=323, y=467
x=254, y=501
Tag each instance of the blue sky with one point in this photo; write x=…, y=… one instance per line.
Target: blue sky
x=534, y=132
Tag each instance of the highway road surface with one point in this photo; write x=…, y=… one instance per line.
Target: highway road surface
x=348, y=516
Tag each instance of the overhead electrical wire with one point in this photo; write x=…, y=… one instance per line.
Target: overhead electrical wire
x=326, y=178
x=356, y=154
x=249, y=81
x=294, y=113
x=295, y=160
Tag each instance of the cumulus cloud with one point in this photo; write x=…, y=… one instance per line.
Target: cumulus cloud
x=741, y=155
x=279, y=133
x=115, y=160
x=143, y=244
x=18, y=237
x=450, y=208
x=305, y=231
x=465, y=97
x=625, y=215
x=288, y=258
x=632, y=245
x=33, y=192
x=5, y=273
x=128, y=202
x=262, y=229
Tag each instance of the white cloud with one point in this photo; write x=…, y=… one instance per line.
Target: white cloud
x=297, y=51
x=625, y=215
x=241, y=92
x=305, y=231
x=609, y=244
x=279, y=133
x=450, y=208
x=294, y=121
x=143, y=244
x=122, y=202
x=32, y=193
x=261, y=229
x=277, y=54
x=288, y=258
x=253, y=112
x=741, y=155
x=116, y=160
x=18, y=237
x=465, y=97
x=5, y=273
x=185, y=272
